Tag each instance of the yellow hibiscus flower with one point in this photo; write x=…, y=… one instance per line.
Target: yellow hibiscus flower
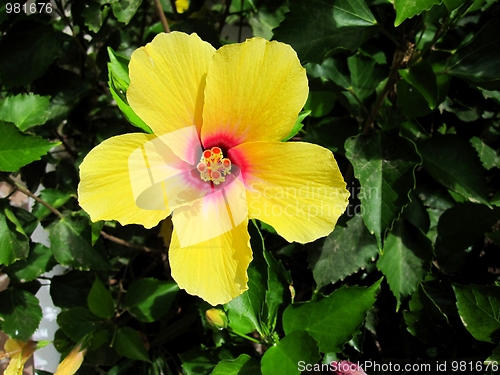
x=19, y=352
x=215, y=159
x=72, y=362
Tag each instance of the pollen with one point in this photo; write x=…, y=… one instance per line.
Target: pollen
x=213, y=166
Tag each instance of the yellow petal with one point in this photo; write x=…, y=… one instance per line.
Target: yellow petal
x=214, y=269
x=105, y=190
x=217, y=212
x=19, y=353
x=181, y=5
x=72, y=362
x=167, y=79
x=295, y=187
x=254, y=92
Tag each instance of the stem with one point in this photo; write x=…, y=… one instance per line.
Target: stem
x=161, y=14
x=121, y=241
x=16, y=185
x=244, y=336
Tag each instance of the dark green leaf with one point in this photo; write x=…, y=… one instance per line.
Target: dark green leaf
x=460, y=227
x=20, y=313
x=71, y=289
x=422, y=78
x=366, y=75
x=18, y=149
x=31, y=47
x=70, y=243
x=94, y=16
x=243, y=365
x=39, y=260
x=56, y=198
x=334, y=320
x=100, y=301
x=320, y=103
x=426, y=321
x=406, y=259
x=129, y=344
x=284, y=357
x=476, y=62
x=149, y=299
x=408, y=8
x=78, y=322
x=124, y=10
x=25, y=110
x=384, y=164
x=278, y=292
x=453, y=162
x=411, y=102
x=14, y=243
x=345, y=251
x=264, y=21
x=479, y=309
x=325, y=26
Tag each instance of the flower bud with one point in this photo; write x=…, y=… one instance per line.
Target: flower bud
x=217, y=318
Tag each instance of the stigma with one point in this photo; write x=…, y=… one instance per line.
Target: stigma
x=213, y=166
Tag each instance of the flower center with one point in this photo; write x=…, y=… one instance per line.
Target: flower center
x=213, y=166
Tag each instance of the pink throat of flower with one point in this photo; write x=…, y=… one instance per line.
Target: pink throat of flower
x=213, y=166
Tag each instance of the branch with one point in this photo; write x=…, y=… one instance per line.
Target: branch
x=161, y=14
x=122, y=242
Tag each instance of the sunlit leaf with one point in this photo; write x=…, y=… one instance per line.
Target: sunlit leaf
x=14, y=243
x=408, y=8
x=284, y=357
x=124, y=10
x=39, y=261
x=243, y=365
x=18, y=149
x=25, y=110
x=334, y=320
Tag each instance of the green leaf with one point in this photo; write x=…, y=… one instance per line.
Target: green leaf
x=70, y=243
x=384, y=164
x=124, y=10
x=344, y=252
x=201, y=361
x=454, y=163
x=18, y=149
x=25, y=110
x=149, y=299
x=94, y=16
x=284, y=357
x=39, y=260
x=243, y=365
x=316, y=28
x=479, y=310
x=118, y=82
x=408, y=8
x=100, y=301
x=334, y=320
x=71, y=289
x=31, y=47
x=426, y=321
x=14, y=243
x=460, y=227
x=298, y=125
x=411, y=102
x=366, y=75
x=406, y=259
x=422, y=78
x=278, y=292
x=78, y=322
x=56, y=198
x=129, y=344
x=320, y=103
x=488, y=156
x=265, y=20
x=244, y=311
x=20, y=313
x=477, y=62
